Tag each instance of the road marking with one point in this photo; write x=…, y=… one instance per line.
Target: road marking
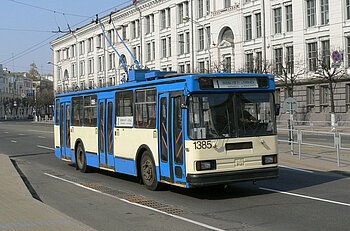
x=34, y=223
x=39, y=131
x=39, y=146
x=13, y=141
x=21, y=134
x=296, y=169
x=6, y=132
x=41, y=137
x=304, y=196
x=142, y=206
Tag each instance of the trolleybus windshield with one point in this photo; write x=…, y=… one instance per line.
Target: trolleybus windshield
x=230, y=115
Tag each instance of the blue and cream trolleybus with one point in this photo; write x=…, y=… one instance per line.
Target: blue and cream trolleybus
x=186, y=130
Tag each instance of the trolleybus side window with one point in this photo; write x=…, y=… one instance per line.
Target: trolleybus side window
x=90, y=111
x=77, y=112
x=145, y=106
x=57, y=117
x=124, y=109
x=163, y=129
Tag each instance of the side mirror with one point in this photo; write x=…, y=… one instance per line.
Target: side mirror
x=277, y=109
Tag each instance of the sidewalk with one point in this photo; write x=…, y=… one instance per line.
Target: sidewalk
x=314, y=158
x=20, y=211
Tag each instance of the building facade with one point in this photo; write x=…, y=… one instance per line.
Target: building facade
x=275, y=36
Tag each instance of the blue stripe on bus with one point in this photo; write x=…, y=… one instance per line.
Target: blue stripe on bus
x=92, y=160
x=125, y=166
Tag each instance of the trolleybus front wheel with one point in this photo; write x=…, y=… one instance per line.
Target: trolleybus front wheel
x=81, y=159
x=148, y=172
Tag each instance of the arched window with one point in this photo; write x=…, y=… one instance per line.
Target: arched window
x=226, y=36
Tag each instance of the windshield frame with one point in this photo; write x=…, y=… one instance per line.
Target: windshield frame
x=235, y=114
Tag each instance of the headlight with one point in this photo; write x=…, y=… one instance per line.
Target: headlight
x=206, y=165
x=271, y=159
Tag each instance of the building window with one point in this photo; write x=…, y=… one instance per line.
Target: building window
x=124, y=32
x=311, y=12
x=162, y=19
x=290, y=59
x=347, y=88
x=201, y=39
x=91, y=66
x=200, y=8
x=324, y=95
x=347, y=9
x=148, y=52
x=312, y=56
x=111, y=58
x=169, y=17
x=188, y=42
x=258, y=25
x=249, y=60
x=324, y=12
x=201, y=67
x=72, y=51
x=82, y=68
x=227, y=3
x=90, y=44
x=348, y=50
x=289, y=18
x=180, y=13
x=278, y=61
x=207, y=29
x=227, y=65
x=208, y=6
x=99, y=41
x=169, y=46
x=153, y=50
x=163, y=42
x=181, y=44
x=148, y=24
x=182, y=68
x=74, y=70
x=248, y=28
x=259, y=62
x=326, y=62
x=277, y=15
x=81, y=47
x=310, y=96
x=100, y=64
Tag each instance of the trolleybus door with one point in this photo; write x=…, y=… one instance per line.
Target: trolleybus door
x=65, y=131
x=105, y=133
x=171, y=159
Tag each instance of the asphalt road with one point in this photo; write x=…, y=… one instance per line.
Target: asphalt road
x=296, y=201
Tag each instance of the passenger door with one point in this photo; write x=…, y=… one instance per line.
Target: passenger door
x=171, y=149
x=105, y=133
x=65, y=141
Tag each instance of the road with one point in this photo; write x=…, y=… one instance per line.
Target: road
x=298, y=200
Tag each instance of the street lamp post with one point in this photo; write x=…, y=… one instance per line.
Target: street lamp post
x=208, y=38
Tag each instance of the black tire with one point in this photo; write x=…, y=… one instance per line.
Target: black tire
x=148, y=172
x=81, y=159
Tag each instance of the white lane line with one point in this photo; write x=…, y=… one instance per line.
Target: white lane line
x=13, y=141
x=41, y=137
x=39, y=146
x=143, y=206
x=39, y=131
x=6, y=132
x=21, y=134
x=304, y=196
x=296, y=169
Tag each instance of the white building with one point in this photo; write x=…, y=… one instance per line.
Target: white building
x=211, y=35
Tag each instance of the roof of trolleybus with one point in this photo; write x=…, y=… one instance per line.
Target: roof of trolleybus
x=192, y=83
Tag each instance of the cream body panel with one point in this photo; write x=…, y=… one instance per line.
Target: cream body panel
x=56, y=131
x=128, y=140
x=233, y=159
x=88, y=135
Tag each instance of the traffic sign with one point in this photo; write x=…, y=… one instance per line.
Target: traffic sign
x=290, y=104
x=23, y=95
x=336, y=56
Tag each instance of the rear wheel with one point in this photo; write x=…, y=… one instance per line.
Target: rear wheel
x=81, y=159
x=148, y=172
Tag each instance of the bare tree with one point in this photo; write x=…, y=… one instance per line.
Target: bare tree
x=330, y=74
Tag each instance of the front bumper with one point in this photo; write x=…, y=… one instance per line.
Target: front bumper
x=206, y=179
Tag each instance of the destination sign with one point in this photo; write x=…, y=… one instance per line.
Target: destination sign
x=235, y=83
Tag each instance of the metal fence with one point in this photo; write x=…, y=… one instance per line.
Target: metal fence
x=300, y=137
x=314, y=124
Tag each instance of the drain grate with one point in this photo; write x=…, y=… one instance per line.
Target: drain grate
x=120, y=194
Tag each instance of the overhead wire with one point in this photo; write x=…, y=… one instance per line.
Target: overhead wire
x=40, y=44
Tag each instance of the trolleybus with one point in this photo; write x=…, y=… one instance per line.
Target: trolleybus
x=185, y=130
